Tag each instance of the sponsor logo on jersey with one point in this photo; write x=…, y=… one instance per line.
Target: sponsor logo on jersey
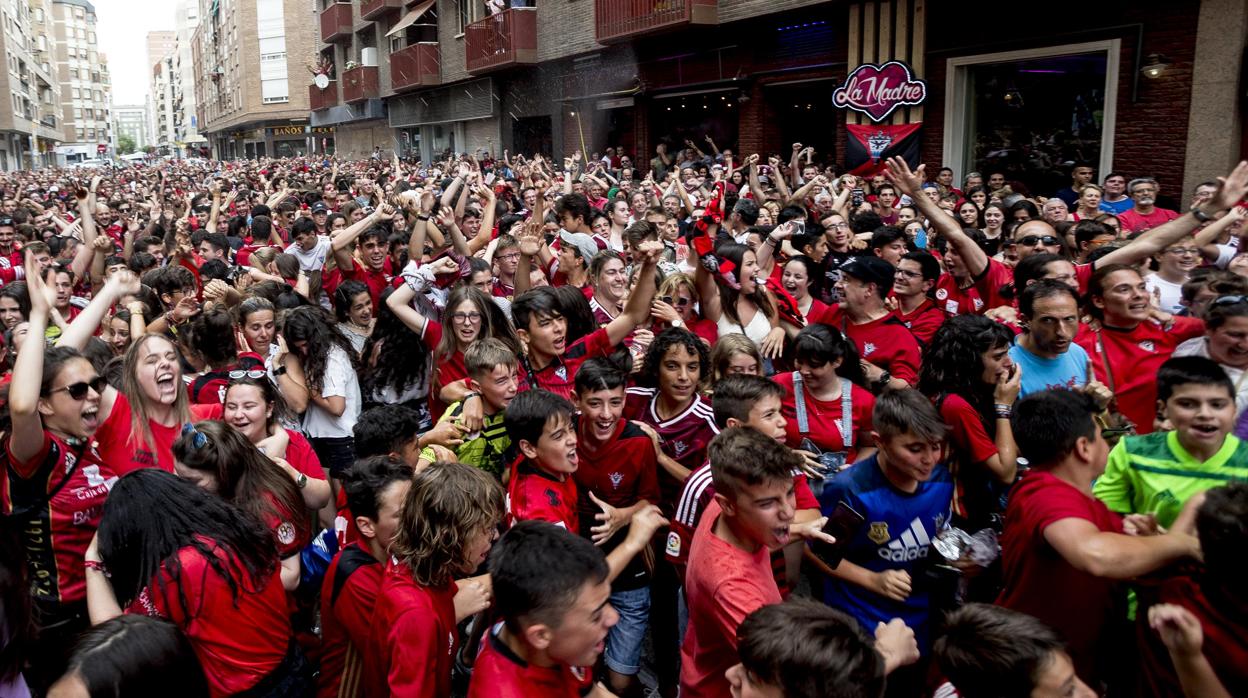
x=673, y=544
x=1147, y=345
x=286, y=533
x=616, y=479
x=912, y=544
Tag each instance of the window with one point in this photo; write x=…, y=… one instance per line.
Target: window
x=468, y=12
x=77, y=114
x=73, y=73
x=74, y=92
x=81, y=134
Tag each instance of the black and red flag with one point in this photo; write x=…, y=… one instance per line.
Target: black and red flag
x=868, y=146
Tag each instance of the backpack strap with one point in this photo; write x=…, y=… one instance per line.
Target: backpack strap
x=847, y=414
x=353, y=558
x=799, y=399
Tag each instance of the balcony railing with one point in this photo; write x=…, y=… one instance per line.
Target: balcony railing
x=506, y=39
x=323, y=99
x=615, y=20
x=360, y=83
x=415, y=66
x=336, y=22
x=372, y=9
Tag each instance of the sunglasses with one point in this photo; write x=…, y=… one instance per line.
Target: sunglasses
x=78, y=391
x=1222, y=301
x=1031, y=240
x=198, y=438
x=675, y=302
x=255, y=373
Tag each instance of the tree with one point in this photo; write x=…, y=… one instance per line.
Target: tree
x=125, y=145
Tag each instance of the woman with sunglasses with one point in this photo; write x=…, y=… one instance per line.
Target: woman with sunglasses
x=219, y=459
x=169, y=549
x=254, y=407
x=55, y=482
x=677, y=306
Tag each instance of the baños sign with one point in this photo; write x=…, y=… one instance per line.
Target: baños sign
x=876, y=90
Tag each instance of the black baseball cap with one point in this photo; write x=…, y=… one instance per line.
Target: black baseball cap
x=320, y=207
x=871, y=269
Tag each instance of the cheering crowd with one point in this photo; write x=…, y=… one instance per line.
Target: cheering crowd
x=522, y=427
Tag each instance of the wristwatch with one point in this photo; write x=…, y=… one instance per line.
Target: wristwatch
x=1201, y=215
x=882, y=382
x=678, y=323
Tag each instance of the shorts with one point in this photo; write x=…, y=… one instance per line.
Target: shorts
x=335, y=453
x=624, y=640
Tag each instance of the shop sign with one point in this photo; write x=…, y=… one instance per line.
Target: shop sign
x=287, y=131
x=876, y=90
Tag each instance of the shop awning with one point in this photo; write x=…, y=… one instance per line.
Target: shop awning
x=410, y=18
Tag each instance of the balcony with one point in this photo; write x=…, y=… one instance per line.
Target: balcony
x=415, y=66
x=372, y=9
x=360, y=83
x=617, y=20
x=506, y=39
x=336, y=22
x=319, y=99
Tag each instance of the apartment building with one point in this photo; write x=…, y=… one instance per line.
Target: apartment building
x=82, y=73
x=185, y=120
x=30, y=130
x=131, y=120
x=1126, y=88
x=161, y=97
x=250, y=59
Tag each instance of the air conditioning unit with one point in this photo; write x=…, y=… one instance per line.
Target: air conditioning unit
x=368, y=57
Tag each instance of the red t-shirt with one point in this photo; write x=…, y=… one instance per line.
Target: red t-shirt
x=684, y=437
x=56, y=532
x=1134, y=356
x=705, y=329
x=346, y=615
x=238, y=641
x=967, y=445
x=449, y=370
x=301, y=457
x=1223, y=614
x=1134, y=222
x=989, y=284
x=377, y=281
x=411, y=647
x=118, y=451
x=885, y=342
x=559, y=376
x=536, y=494
x=500, y=673
x=824, y=418
x=723, y=585
x=955, y=300
x=923, y=321
x=1040, y=582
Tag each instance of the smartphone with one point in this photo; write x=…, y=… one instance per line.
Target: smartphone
x=857, y=196
x=843, y=524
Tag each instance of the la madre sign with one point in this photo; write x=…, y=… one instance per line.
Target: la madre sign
x=876, y=90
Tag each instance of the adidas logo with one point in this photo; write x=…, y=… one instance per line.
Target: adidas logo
x=911, y=545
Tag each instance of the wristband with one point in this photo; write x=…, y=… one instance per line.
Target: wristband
x=280, y=370
x=469, y=396
x=1003, y=411
x=98, y=566
x=423, y=217
x=1201, y=215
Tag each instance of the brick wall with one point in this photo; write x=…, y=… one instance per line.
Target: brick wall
x=1151, y=134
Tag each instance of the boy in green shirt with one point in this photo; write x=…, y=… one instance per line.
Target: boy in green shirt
x=1156, y=473
x=492, y=374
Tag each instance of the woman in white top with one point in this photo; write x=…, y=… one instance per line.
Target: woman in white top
x=1173, y=265
x=333, y=387
x=353, y=306
x=737, y=301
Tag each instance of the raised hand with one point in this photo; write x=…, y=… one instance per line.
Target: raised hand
x=909, y=182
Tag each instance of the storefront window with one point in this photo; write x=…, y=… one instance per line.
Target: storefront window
x=1032, y=114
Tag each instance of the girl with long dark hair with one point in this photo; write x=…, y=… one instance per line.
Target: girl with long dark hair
x=397, y=364
x=132, y=655
x=218, y=458
x=334, y=400
x=353, y=306
x=54, y=482
x=169, y=549
x=967, y=373
x=736, y=301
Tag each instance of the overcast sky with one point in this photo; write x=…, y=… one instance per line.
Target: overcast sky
x=123, y=26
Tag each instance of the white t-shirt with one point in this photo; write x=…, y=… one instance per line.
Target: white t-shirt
x=314, y=259
x=340, y=381
x=1171, y=293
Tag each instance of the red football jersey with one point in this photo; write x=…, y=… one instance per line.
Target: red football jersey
x=534, y=494
x=411, y=647
x=684, y=437
x=957, y=301
x=923, y=321
x=346, y=611
x=501, y=673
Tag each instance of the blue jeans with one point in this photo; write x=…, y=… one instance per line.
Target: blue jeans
x=624, y=640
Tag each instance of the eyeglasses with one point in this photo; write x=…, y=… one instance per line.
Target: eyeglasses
x=1031, y=240
x=255, y=373
x=908, y=274
x=839, y=226
x=511, y=257
x=466, y=318
x=198, y=438
x=78, y=391
x=1182, y=251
